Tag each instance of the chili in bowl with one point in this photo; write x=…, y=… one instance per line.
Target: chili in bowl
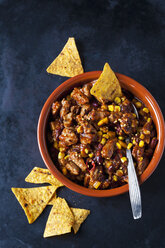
x=82, y=141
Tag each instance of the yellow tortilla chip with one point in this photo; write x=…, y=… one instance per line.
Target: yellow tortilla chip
x=33, y=200
x=52, y=200
x=68, y=63
x=107, y=87
x=40, y=175
x=80, y=215
x=60, y=219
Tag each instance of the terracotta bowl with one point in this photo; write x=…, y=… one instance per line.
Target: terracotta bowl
x=136, y=89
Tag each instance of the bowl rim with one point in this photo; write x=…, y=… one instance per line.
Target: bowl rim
x=80, y=79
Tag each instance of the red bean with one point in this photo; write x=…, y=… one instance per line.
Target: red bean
x=54, y=153
x=153, y=133
x=153, y=142
x=149, y=152
x=95, y=104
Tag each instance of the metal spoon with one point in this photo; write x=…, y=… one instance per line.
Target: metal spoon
x=134, y=189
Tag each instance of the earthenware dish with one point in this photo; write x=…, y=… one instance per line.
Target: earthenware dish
x=136, y=89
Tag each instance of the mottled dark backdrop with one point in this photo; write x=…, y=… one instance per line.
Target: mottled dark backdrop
x=127, y=34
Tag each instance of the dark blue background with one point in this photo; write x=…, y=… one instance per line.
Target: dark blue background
x=127, y=34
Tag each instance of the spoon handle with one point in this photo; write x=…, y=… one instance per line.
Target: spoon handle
x=134, y=189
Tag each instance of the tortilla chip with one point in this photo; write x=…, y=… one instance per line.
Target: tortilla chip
x=40, y=175
x=60, y=219
x=107, y=87
x=52, y=200
x=68, y=63
x=80, y=215
x=33, y=200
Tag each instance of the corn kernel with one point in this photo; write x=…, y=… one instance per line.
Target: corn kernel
x=134, y=115
x=80, y=129
x=134, y=141
x=111, y=134
x=110, y=107
x=99, y=133
x=103, y=141
x=141, y=143
x=123, y=144
x=96, y=184
x=141, y=136
x=138, y=104
x=146, y=110
x=55, y=144
x=123, y=159
x=52, y=125
x=108, y=164
x=118, y=145
x=105, y=135
x=62, y=149
x=140, y=159
x=117, y=108
x=66, y=157
x=145, y=131
x=61, y=155
x=129, y=146
x=83, y=154
x=86, y=150
x=64, y=171
x=119, y=173
x=123, y=98
x=91, y=155
x=117, y=100
x=149, y=120
x=103, y=121
x=104, y=106
x=121, y=138
x=115, y=178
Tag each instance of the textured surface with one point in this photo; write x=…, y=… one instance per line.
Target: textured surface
x=127, y=34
